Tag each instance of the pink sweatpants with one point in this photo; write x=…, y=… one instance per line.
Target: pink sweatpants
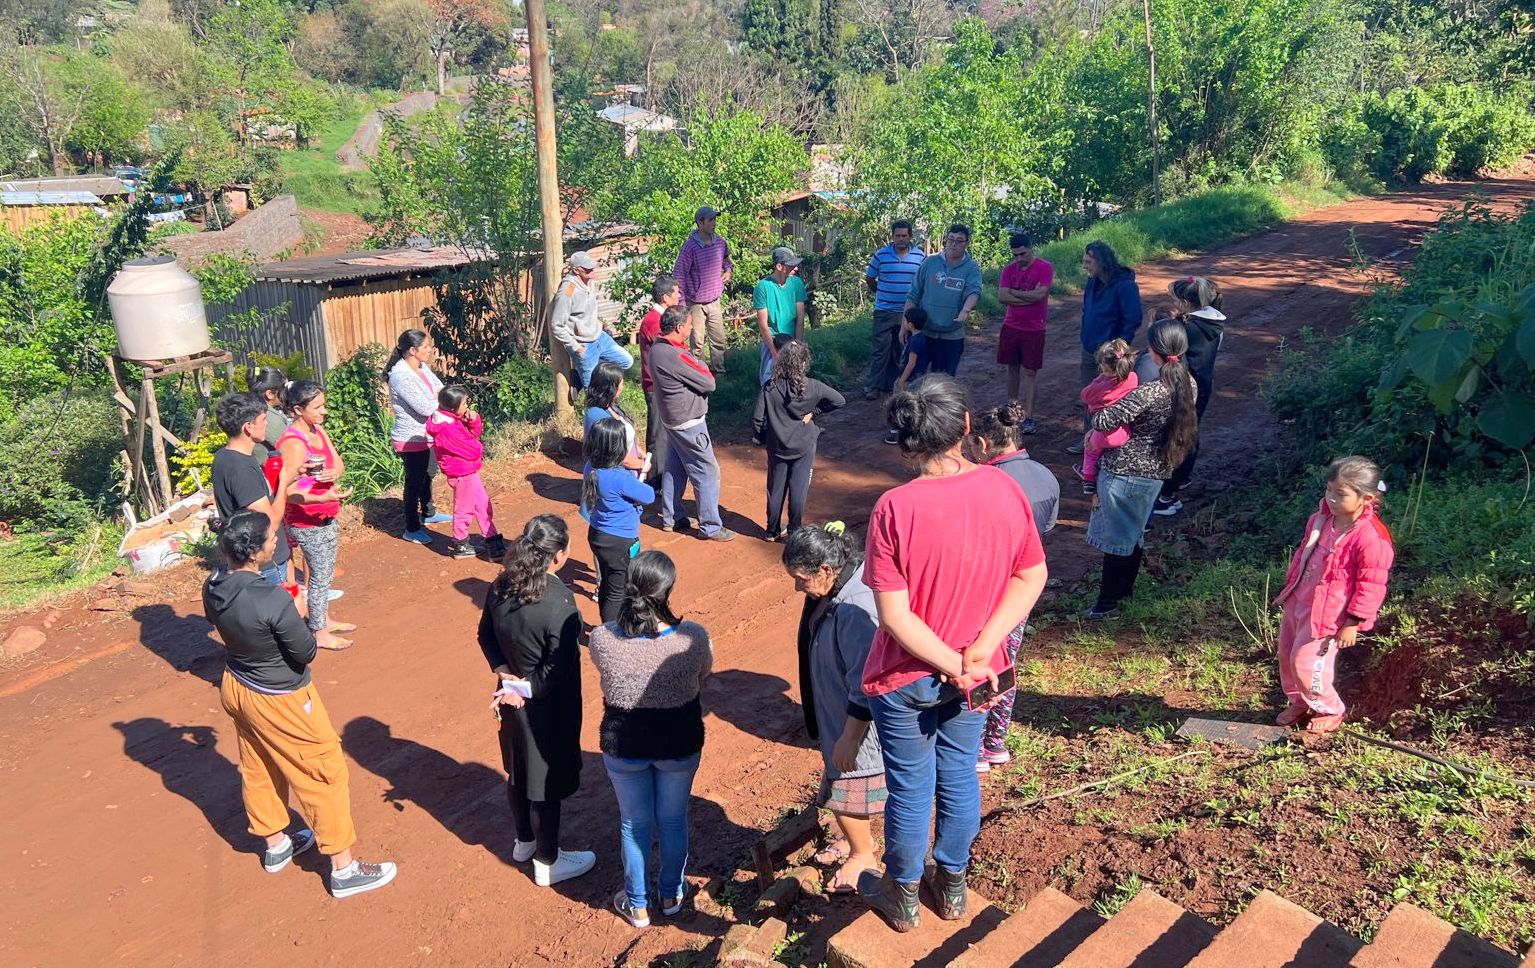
x=1097, y=442
x=471, y=503
x=1306, y=667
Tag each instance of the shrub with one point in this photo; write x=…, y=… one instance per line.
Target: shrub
x=1451, y=129
x=521, y=390
x=359, y=422
x=197, y=457
x=58, y=460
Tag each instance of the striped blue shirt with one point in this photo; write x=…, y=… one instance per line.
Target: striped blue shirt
x=895, y=274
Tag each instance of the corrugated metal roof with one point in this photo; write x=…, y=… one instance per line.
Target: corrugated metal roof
x=372, y=264
x=103, y=186
x=48, y=198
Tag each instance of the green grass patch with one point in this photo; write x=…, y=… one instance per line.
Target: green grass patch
x=38, y=567
x=1201, y=221
x=316, y=178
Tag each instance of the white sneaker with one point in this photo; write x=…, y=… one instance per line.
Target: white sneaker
x=522, y=850
x=334, y=594
x=570, y=863
x=981, y=766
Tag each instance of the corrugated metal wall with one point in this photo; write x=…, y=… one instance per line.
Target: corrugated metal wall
x=293, y=322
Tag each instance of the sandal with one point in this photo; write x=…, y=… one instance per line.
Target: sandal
x=833, y=853
x=1324, y=724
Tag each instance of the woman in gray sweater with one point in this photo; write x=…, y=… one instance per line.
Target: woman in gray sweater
x=652, y=666
x=836, y=629
x=413, y=389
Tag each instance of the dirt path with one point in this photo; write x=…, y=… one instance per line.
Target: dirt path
x=125, y=838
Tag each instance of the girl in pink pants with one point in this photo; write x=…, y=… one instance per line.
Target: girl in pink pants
x=454, y=431
x=1333, y=591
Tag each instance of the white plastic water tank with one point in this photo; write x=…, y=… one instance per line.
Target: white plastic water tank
x=157, y=309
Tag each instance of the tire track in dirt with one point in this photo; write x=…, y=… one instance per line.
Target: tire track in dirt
x=121, y=797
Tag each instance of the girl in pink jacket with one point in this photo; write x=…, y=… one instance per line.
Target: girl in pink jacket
x=1334, y=590
x=1116, y=377
x=454, y=431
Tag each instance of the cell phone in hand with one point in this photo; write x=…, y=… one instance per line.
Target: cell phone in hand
x=984, y=692
x=521, y=687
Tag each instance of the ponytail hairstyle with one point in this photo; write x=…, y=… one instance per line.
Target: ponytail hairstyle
x=1001, y=427
x=648, y=595
x=930, y=420
x=811, y=547
x=451, y=397
x=602, y=390
x=1360, y=475
x=606, y=445
x=301, y=394
x=1118, y=358
x=243, y=537
x=1170, y=340
x=268, y=380
x=1197, y=291
x=793, y=366
x=409, y=340
x=525, y=576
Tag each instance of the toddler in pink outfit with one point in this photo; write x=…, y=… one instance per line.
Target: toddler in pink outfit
x=1116, y=377
x=454, y=431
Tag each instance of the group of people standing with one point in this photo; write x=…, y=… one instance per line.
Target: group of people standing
x=907, y=640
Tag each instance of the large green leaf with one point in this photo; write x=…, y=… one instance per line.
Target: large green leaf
x=1509, y=418
x=1524, y=341
x=1436, y=356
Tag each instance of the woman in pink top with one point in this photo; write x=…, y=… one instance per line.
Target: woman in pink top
x=955, y=563
x=310, y=459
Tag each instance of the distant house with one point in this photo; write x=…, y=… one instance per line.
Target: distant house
x=104, y=187
x=19, y=209
x=636, y=121
x=329, y=307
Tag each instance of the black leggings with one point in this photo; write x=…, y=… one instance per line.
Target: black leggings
x=537, y=821
x=418, y=487
x=794, y=475
x=1119, y=573
x=612, y=556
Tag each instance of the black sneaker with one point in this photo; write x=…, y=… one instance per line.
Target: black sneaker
x=360, y=878
x=1166, y=509
x=460, y=549
x=1089, y=487
x=896, y=903
x=495, y=548
x=1101, y=613
x=681, y=524
x=892, y=437
x=299, y=841
x=948, y=892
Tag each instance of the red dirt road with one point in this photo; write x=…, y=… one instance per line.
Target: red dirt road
x=125, y=839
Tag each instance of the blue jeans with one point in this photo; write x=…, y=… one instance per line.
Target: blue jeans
x=653, y=795
x=690, y=457
x=276, y=574
x=599, y=349
x=930, y=740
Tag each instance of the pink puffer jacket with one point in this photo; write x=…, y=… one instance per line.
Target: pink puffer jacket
x=456, y=441
x=1354, y=577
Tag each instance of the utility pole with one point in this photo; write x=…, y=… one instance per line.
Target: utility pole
x=1156, y=135
x=548, y=188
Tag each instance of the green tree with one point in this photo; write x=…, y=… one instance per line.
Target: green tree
x=115, y=112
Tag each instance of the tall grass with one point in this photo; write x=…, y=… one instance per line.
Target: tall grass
x=314, y=176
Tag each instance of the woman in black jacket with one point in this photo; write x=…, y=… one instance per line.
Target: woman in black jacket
x=287, y=743
x=784, y=421
x=1198, y=307
x=530, y=632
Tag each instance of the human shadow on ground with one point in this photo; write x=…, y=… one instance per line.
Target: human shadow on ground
x=758, y=704
x=565, y=490
x=191, y=767
x=183, y=641
x=469, y=801
x=1075, y=716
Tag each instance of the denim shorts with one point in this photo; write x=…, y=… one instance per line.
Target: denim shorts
x=1118, y=524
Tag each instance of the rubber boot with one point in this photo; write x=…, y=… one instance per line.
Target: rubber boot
x=948, y=892
x=896, y=903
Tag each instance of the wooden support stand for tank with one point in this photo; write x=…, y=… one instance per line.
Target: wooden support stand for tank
x=150, y=480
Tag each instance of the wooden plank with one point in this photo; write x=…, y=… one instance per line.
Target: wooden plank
x=781, y=840
x=152, y=415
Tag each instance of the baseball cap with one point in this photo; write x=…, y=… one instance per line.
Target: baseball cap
x=582, y=260
x=704, y=212
x=786, y=255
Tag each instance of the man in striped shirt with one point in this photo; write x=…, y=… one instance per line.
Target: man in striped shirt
x=889, y=277
x=703, y=271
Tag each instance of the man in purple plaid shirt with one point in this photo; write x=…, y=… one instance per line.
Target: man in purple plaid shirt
x=703, y=271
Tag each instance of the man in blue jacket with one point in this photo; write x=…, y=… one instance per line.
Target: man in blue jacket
x=1111, y=309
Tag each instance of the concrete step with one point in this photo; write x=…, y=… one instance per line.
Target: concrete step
x=1273, y=933
x=1046, y=930
x=1149, y=932
x=1410, y=937
x=870, y=943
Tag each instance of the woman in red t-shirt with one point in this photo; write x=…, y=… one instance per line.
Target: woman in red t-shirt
x=955, y=562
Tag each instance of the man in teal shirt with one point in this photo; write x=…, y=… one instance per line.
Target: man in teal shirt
x=947, y=286
x=779, y=300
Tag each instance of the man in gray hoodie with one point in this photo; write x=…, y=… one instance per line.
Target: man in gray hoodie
x=573, y=318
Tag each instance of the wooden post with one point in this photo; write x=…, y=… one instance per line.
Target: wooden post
x=1156, y=135
x=151, y=410
x=548, y=187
